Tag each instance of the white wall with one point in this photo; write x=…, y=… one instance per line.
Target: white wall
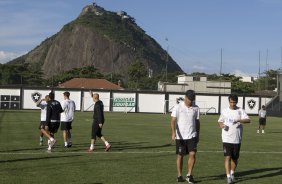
x=248, y=108
x=151, y=103
x=28, y=103
x=208, y=103
x=15, y=92
x=124, y=102
x=88, y=103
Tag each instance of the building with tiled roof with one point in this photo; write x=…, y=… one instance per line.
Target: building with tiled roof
x=88, y=83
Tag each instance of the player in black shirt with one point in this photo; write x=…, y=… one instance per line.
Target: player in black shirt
x=98, y=121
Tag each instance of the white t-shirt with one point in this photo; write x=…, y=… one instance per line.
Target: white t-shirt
x=43, y=106
x=228, y=117
x=186, y=120
x=68, y=107
x=262, y=113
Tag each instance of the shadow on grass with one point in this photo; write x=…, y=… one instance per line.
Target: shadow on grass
x=23, y=149
x=122, y=146
x=246, y=175
x=40, y=158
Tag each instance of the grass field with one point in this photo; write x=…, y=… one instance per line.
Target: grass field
x=142, y=152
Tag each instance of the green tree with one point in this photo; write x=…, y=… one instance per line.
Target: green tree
x=136, y=73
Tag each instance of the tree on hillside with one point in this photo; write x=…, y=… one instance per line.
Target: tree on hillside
x=136, y=73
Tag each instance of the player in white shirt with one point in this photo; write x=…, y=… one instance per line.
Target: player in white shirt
x=262, y=119
x=42, y=104
x=66, y=118
x=230, y=121
x=185, y=129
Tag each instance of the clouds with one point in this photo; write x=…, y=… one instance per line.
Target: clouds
x=25, y=25
x=8, y=56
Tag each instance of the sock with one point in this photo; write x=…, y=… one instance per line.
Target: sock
x=51, y=139
x=228, y=175
x=106, y=143
x=66, y=143
x=92, y=146
x=232, y=172
x=41, y=139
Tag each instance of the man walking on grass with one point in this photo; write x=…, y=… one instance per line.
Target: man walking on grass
x=98, y=122
x=185, y=130
x=42, y=104
x=67, y=118
x=230, y=121
x=54, y=110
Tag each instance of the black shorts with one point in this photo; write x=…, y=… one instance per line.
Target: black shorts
x=42, y=125
x=66, y=125
x=96, y=131
x=232, y=150
x=54, y=126
x=183, y=147
x=262, y=121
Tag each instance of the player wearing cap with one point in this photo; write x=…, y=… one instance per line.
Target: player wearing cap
x=66, y=118
x=98, y=121
x=185, y=130
x=230, y=121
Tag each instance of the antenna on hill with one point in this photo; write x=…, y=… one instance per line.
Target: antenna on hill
x=220, y=71
x=259, y=66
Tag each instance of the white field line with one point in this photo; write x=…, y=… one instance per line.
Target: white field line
x=131, y=152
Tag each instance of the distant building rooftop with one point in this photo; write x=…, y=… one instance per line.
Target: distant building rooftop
x=88, y=83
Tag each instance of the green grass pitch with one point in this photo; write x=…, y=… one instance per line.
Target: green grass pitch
x=142, y=152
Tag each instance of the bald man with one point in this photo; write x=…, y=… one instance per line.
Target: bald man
x=98, y=121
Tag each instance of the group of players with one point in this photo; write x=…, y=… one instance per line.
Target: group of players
x=54, y=114
x=185, y=128
x=185, y=131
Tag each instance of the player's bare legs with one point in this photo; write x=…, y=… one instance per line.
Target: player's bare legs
x=179, y=164
x=191, y=162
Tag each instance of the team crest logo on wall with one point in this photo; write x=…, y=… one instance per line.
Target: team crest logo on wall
x=36, y=96
x=251, y=103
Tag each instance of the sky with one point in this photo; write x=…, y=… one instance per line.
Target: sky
x=196, y=30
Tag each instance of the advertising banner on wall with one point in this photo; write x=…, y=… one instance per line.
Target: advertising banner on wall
x=124, y=102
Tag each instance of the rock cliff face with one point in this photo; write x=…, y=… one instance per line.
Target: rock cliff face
x=106, y=40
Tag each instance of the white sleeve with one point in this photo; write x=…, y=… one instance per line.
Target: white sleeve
x=221, y=118
x=174, y=112
x=244, y=115
x=198, y=114
x=63, y=104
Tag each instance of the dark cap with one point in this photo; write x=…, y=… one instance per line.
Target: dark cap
x=67, y=93
x=190, y=94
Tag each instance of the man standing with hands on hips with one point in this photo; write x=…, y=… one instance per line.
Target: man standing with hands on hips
x=230, y=121
x=185, y=130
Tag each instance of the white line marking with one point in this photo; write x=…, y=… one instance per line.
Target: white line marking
x=129, y=152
